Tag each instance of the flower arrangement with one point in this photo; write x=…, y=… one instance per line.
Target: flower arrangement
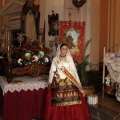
x=109, y=81
x=30, y=52
x=111, y=85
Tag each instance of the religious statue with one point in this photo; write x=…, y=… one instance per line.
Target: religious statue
x=72, y=40
x=69, y=41
x=30, y=17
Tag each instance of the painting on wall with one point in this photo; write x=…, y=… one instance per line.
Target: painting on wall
x=72, y=33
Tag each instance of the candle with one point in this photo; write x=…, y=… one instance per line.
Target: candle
x=92, y=99
x=96, y=99
x=103, y=67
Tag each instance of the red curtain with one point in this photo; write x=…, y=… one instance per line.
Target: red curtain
x=79, y=27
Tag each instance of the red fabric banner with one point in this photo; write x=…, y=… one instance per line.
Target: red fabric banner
x=73, y=33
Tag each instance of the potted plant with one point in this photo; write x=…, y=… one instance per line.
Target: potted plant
x=84, y=71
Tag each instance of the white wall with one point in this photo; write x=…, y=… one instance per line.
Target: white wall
x=88, y=13
x=46, y=7
x=117, y=26
x=95, y=31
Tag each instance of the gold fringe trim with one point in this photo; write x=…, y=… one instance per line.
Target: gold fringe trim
x=67, y=103
x=64, y=95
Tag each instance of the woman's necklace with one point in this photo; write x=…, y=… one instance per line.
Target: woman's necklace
x=62, y=55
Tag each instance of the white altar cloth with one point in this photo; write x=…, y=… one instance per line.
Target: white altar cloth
x=23, y=83
x=112, y=61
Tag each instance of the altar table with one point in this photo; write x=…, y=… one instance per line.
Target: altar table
x=23, y=99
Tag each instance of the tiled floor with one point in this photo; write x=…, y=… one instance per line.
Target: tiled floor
x=106, y=109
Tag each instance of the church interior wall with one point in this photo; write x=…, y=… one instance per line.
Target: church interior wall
x=117, y=26
x=109, y=26
x=103, y=27
x=63, y=11
x=94, y=32
x=101, y=17
x=57, y=8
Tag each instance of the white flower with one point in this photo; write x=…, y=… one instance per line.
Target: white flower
x=1, y=57
x=108, y=80
x=27, y=55
x=107, y=83
x=46, y=59
x=87, y=68
x=36, y=58
x=20, y=61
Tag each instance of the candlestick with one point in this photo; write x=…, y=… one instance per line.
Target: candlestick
x=103, y=67
x=103, y=79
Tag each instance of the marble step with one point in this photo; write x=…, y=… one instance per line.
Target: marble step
x=107, y=109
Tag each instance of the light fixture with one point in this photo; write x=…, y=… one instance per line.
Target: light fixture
x=78, y=3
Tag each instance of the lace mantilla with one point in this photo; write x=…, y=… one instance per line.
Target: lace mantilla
x=112, y=61
x=24, y=83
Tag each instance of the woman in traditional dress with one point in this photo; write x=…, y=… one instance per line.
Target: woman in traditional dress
x=65, y=99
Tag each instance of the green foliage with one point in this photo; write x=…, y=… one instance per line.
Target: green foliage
x=81, y=66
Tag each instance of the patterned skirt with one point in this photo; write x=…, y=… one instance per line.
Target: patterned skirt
x=65, y=102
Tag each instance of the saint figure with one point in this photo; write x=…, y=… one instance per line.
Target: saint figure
x=30, y=17
x=69, y=41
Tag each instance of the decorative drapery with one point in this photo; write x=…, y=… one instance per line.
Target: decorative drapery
x=112, y=80
x=24, y=83
x=73, y=34
x=23, y=100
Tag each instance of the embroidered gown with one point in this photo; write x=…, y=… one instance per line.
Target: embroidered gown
x=64, y=100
